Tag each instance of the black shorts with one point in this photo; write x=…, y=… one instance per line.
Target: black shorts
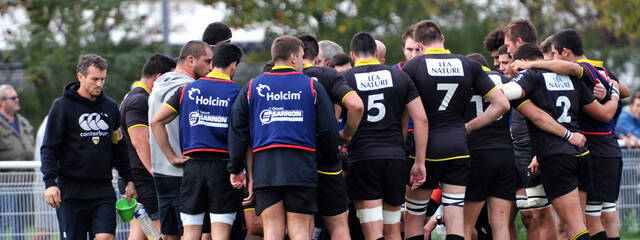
x=296, y=199
x=332, y=194
x=492, y=174
x=606, y=173
x=378, y=179
x=146, y=190
x=453, y=172
x=168, y=190
x=522, y=159
x=206, y=188
x=77, y=217
x=562, y=174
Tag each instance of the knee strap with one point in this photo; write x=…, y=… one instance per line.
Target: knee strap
x=608, y=207
x=536, y=196
x=391, y=217
x=191, y=219
x=593, y=208
x=366, y=215
x=453, y=199
x=227, y=218
x=416, y=207
x=521, y=202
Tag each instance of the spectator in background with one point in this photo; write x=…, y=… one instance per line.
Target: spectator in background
x=328, y=49
x=628, y=126
x=16, y=143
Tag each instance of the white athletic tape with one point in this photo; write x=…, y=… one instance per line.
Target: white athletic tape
x=536, y=197
x=191, y=219
x=453, y=199
x=366, y=215
x=608, y=207
x=391, y=217
x=512, y=90
x=227, y=218
x=593, y=209
x=521, y=202
x=416, y=207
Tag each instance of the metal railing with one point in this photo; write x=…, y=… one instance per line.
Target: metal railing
x=25, y=215
x=23, y=212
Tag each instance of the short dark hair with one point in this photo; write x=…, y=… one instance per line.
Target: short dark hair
x=503, y=50
x=340, y=59
x=528, y=51
x=521, y=28
x=545, y=45
x=193, y=48
x=226, y=53
x=158, y=63
x=494, y=40
x=268, y=66
x=216, y=32
x=87, y=60
x=569, y=39
x=284, y=46
x=311, y=48
x=363, y=44
x=478, y=58
x=408, y=33
x=427, y=31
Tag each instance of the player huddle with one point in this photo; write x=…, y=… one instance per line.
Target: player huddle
x=303, y=139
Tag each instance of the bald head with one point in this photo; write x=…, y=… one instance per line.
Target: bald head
x=381, y=51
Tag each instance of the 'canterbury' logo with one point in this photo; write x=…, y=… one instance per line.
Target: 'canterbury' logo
x=92, y=122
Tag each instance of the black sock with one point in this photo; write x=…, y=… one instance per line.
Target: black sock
x=600, y=236
x=454, y=237
x=417, y=237
x=382, y=238
x=614, y=238
x=584, y=235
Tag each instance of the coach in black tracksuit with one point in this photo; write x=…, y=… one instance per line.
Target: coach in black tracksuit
x=82, y=143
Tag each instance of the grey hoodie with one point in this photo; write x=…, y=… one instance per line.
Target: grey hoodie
x=164, y=87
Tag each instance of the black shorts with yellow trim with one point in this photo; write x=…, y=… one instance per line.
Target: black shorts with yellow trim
x=492, y=174
x=332, y=193
x=452, y=170
x=562, y=174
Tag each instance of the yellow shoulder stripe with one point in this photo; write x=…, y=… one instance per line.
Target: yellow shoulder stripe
x=137, y=125
x=345, y=96
x=166, y=104
x=518, y=108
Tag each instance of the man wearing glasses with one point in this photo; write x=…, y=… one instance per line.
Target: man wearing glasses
x=16, y=143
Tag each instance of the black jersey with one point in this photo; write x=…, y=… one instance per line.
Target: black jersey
x=446, y=82
x=385, y=92
x=561, y=97
x=600, y=143
x=134, y=113
x=495, y=135
x=331, y=80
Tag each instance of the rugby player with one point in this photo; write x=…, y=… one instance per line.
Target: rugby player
x=560, y=149
x=492, y=175
x=284, y=116
x=327, y=50
x=333, y=202
x=492, y=42
x=376, y=156
x=518, y=32
x=134, y=118
x=446, y=83
x=203, y=109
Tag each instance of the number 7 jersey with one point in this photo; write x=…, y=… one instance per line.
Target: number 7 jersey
x=446, y=82
x=385, y=92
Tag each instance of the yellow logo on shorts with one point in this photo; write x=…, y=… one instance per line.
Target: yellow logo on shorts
x=96, y=140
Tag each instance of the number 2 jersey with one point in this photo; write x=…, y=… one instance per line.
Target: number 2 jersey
x=385, y=92
x=561, y=97
x=446, y=82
